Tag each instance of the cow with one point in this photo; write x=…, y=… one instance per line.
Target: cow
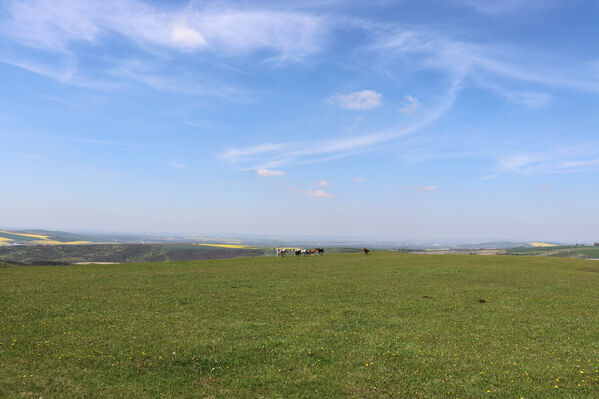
x=283, y=251
x=366, y=251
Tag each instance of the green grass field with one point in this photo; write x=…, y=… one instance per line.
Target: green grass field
x=570, y=251
x=385, y=325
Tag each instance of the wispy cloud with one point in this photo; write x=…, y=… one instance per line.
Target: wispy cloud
x=321, y=183
x=236, y=155
x=459, y=62
x=318, y=194
x=156, y=78
x=500, y=7
x=527, y=98
x=551, y=161
x=64, y=72
x=159, y=32
x=358, y=101
x=186, y=37
x=358, y=179
x=410, y=106
x=312, y=193
x=269, y=172
x=434, y=51
x=56, y=26
x=272, y=155
x=427, y=188
x=181, y=166
x=488, y=177
x=61, y=73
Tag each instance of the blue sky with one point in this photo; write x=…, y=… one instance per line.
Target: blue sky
x=428, y=119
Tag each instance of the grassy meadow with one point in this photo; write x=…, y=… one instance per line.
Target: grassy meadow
x=569, y=251
x=387, y=325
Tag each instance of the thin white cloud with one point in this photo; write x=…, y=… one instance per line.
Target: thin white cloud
x=402, y=187
x=526, y=98
x=269, y=172
x=236, y=155
x=318, y=194
x=500, y=7
x=488, y=177
x=313, y=193
x=182, y=166
x=187, y=37
x=358, y=179
x=429, y=50
x=410, y=106
x=160, y=32
x=358, y=101
x=531, y=99
x=61, y=73
x=65, y=72
x=276, y=155
x=57, y=25
x=543, y=186
x=134, y=70
x=427, y=188
x=552, y=161
x=321, y=183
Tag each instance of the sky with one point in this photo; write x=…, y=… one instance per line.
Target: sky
x=407, y=119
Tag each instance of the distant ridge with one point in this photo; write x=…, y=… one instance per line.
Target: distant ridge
x=51, y=237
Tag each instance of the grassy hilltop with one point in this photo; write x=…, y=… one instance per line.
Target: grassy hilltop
x=348, y=325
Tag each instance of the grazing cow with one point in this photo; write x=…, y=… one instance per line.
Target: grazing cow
x=366, y=251
x=320, y=251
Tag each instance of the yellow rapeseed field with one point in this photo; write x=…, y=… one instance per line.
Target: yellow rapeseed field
x=26, y=235
x=541, y=244
x=230, y=246
x=53, y=242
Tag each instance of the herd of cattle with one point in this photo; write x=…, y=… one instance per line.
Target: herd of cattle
x=298, y=251
x=303, y=251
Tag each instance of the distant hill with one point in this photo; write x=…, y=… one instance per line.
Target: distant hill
x=506, y=245
x=31, y=237
x=119, y=253
x=564, y=251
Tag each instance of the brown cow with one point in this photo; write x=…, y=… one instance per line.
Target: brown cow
x=366, y=251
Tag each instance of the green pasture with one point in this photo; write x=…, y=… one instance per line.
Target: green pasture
x=570, y=251
x=387, y=325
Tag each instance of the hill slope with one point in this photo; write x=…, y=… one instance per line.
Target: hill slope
x=121, y=253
